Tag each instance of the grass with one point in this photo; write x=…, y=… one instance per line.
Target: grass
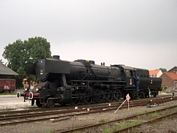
x=49, y=132
x=101, y=121
x=107, y=131
x=123, y=124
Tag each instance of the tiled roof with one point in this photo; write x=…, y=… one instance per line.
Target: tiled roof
x=4, y=70
x=172, y=68
x=171, y=75
x=153, y=72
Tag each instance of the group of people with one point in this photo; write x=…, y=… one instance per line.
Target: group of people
x=28, y=85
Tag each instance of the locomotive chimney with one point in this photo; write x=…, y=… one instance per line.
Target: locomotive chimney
x=56, y=57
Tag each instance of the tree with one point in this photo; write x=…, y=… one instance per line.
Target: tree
x=19, y=53
x=163, y=70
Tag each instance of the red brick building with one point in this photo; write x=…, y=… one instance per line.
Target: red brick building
x=169, y=79
x=173, y=70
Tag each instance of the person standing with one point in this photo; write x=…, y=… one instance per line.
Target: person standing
x=25, y=83
x=137, y=79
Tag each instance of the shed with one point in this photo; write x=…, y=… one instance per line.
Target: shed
x=6, y=71
x=7, y=82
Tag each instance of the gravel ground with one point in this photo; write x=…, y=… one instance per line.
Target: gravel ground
x=49, y=127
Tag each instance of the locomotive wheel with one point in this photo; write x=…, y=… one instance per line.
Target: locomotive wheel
x=75, y=98
x=96, y=98
x=147, y=95
x=117, y=95
x=38, y=103
x=50, y=103
x=154, y=93
x=141, y=95
x=87, y=98
x=108, y=96
x=101, y=96
x=75, y=101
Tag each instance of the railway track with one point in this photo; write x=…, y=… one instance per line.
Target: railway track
x=132, y=122
x=26, y=116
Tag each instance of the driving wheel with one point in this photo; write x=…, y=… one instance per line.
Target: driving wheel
x=50, y=103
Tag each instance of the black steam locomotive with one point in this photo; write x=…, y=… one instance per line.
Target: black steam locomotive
x=84, y=82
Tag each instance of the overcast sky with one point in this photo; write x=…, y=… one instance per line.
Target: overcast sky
x=138, y=33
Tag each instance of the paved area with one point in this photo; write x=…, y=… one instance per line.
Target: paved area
x=12, y=101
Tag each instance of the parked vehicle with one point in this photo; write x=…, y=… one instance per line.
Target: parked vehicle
x=7, y=85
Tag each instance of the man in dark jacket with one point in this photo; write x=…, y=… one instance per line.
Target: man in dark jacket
x=137, y=79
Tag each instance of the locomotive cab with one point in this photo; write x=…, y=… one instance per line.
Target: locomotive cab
x=146, y=84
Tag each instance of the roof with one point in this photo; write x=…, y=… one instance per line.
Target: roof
x=4, y=70
x=171, y=75
x=172, y=68
x=154, y=71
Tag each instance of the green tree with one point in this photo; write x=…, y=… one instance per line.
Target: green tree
x=19, y=53
x=163, y=70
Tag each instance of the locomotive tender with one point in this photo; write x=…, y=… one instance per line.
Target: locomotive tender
x=84, y=82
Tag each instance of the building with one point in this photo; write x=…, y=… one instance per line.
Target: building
x=7, y=82
x=169, y=79
x=6, y=72
x=155, y=73
x=173, y=70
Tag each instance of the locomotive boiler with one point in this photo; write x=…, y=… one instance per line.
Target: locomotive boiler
x=84, y=82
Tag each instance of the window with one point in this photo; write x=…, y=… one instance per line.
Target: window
x=127, y=73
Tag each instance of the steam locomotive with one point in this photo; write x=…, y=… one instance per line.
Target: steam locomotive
x=84, y=82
